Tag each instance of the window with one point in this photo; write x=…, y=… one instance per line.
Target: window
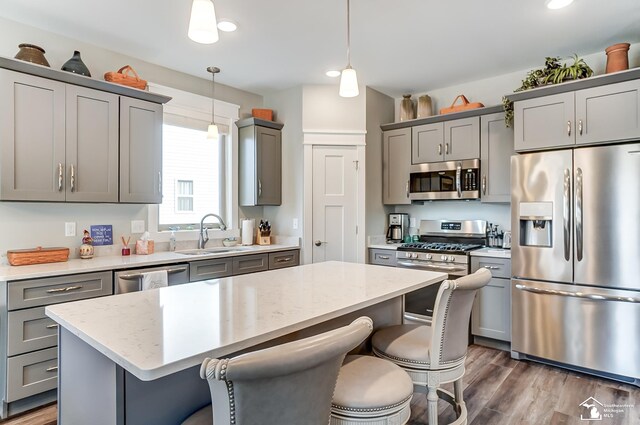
x=184, y=196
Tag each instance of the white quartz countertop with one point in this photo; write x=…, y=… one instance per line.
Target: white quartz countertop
x=392, y=246
x=95, y=264
x=491, y=252
x=155, y=333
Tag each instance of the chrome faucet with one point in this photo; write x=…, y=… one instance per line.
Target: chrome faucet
x=204, y=232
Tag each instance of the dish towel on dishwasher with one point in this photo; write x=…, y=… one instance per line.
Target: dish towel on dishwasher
x=152, y=280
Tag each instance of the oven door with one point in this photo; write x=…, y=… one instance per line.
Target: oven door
x=419, y=304
x=445, y=180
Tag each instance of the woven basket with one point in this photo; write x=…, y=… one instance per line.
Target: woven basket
x=466, y=105
x=39, y=255
x=126, y=76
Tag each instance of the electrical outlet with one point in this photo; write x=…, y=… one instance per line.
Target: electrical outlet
x=70, y=228
x=137, y=226
x=295, y=224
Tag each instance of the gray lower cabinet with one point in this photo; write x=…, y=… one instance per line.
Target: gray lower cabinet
x=140, y=151
x=32, y=338
x=260, y=162
x=396, y=165
x=282, y=259
x=209, y=269
x=491, y=314
x=462, y=139
x=249, y=263
x=496, y=141
x=382, y=257
x=544, y=122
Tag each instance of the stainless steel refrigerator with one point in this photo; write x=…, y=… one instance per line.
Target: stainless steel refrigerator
x=575, y=217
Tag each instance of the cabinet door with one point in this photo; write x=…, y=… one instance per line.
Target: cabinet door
x=496, y=148
x=32, y=133
x=427, y=143
x=491, y=314
x=462, y=139
x=396, y=165
x=249, y=263
x=92, y=145
x=140, y=151
x=544, y=122
x=608, y=113
x=269, y=165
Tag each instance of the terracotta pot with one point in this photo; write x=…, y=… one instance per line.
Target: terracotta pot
x=617, y=57
x=407, y=112
x=32, y=53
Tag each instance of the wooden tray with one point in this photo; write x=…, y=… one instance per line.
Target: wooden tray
x=38, y=255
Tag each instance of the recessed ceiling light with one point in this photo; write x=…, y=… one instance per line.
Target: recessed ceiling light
x=558, y=4
x=333, y=74
x=227, y=26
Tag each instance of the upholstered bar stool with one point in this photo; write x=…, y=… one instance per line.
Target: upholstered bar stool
x=435, y=354
x=291, y=383
x=371, y=391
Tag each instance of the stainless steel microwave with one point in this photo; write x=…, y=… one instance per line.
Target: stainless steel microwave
x=445, y=180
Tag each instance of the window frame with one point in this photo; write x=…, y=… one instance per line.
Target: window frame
x=178, y=196
x=199, y=107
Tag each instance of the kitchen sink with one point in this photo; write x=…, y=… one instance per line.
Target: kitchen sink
x=206, y=251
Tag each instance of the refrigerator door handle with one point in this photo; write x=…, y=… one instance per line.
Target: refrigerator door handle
x=566, y=214
x=594, y=297
x=579, y=225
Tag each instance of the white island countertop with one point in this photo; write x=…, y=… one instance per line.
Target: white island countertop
x=155, y=333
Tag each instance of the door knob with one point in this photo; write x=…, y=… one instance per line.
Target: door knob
x=318, y=242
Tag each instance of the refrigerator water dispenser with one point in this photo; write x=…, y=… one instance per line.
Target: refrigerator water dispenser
x=536, y=222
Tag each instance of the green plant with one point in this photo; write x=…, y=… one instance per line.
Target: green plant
x=552, y=73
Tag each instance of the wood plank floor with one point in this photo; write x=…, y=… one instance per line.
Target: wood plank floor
x=498, y=391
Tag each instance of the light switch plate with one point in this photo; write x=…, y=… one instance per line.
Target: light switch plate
x=137, y=226
x=70, y=228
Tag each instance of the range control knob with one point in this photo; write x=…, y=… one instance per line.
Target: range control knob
x=428, y=257
x=414, y=255
x=407, y=255
x=452, y=258
x=443, y=257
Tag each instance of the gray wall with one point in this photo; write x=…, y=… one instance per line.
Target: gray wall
x=26, y=225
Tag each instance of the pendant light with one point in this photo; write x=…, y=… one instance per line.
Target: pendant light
x=212, y=131
x=349, y=79
x=203, y=27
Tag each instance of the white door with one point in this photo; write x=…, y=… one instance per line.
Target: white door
x=335, y=203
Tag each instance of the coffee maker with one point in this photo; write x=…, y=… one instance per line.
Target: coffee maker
x=398, y=227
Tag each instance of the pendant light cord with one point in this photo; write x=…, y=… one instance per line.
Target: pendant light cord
x=213, y=70
x=348, y=35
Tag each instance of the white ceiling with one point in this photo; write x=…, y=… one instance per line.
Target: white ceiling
x=397, y=45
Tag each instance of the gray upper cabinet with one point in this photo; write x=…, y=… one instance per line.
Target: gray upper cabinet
x=544, y=122
x=260, y=162
x=32, y=132
x=140, y=151
x=608, y=113
x=92, y=145
x=496, y=141
x=427, y=143
x=462, y=139
x=396, y=164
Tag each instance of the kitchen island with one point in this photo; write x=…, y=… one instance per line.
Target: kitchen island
x=134, y=358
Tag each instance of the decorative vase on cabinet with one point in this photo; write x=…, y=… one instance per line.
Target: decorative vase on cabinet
x=406, y=108
x=424, y=106
x=617, y=57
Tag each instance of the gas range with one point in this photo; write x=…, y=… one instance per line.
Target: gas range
x=439, y=247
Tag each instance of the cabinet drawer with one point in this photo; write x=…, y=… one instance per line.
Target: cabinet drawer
x=279, y=260
x=32, y=373
x=53, y=290
x=382, y=257
x=499, y=267
x=30, y=330
x=250, y=263
x=209, y=269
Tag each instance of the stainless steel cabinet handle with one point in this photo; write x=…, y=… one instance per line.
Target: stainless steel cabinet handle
x=492, y=267
x=580, y=127
x=484, y=184
x=579, y=224
x=439, y=148
x=458, y=185
x=446, y=148
x=318, y=242
x=594, y=297
x=383, y=257
x=568, y=128
x=407, y=188
x=59, y=177
x=284, y=260
x=159, y=182
x=65, y=289
x=566, y=214
x=73, y=178
x=135, y=276
x=54, y=326
x=52, y=369
x=259, y=188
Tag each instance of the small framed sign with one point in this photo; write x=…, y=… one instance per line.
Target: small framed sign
x=102, y=234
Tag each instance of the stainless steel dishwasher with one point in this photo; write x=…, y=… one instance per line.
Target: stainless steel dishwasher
x=131, y=280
